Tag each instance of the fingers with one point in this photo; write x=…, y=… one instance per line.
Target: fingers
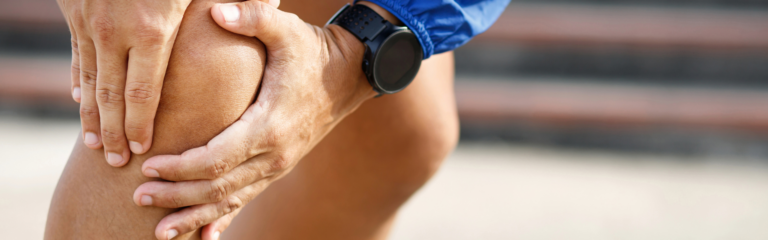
x=188, y=193
x=223, y=153
x=257, y=19
x=146, y=70
x=213, y=230
x=75, y=77
x=110, y=90
x=195, y=217
x=89, y=109
x=75, y=69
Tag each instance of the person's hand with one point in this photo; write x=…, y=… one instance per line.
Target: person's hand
x=313, y=79
x=120, y=50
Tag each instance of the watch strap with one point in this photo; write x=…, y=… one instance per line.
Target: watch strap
x=361, y=21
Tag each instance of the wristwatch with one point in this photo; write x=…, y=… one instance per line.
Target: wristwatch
x=393, y=54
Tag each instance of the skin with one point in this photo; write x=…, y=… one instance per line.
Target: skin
x=312, y=81
x=336, y=192
x=212, y=78
x=120, y=51
x=352, y=184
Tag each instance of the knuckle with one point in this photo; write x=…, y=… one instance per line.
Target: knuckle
x=270, y=139
x=196, y=222
x=109, y=136
x=217, y=167
x=109, y=98
x=75, y=46
x=231, y=204
x=103, y=28
x=75, y=70
x=88, y=112
x=140, y=93
x=150, y=33
x=220, y=189
x=138, y=130
x=75, y=67
x=88, y=77
x=279, y=163
x=176, y=200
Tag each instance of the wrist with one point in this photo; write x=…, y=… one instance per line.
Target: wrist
x=392, y=54
x=352, y=51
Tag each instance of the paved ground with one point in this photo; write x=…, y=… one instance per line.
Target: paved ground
x=484, y=191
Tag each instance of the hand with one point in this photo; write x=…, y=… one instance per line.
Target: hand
x=313, y=79
x=120, y=50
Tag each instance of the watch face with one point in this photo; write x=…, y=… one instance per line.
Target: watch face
x=397, y=61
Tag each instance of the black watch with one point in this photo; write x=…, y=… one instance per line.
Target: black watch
x=393, y=54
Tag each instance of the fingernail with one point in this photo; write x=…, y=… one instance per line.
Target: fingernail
x=216, y=235
x=146, y=200
x=76, y=93
x=171, y=233
x=136, y=147
x=230, y=12
x=91, y=139
x=151, y=173
x=114, y=159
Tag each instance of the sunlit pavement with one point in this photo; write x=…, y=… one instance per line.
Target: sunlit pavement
x=484, y=191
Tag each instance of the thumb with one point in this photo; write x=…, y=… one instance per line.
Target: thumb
x=255, y=18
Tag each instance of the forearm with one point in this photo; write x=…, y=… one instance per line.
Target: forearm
x=212, y=78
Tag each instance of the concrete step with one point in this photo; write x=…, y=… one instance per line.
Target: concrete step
x=556, y=101
x=564, y=102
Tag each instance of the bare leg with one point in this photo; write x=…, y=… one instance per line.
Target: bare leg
x=352, y=184
x=212, y=78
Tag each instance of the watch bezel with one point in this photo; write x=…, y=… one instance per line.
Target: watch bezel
x=375, y=59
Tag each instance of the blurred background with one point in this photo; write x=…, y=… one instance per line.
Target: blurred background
x=581, y=119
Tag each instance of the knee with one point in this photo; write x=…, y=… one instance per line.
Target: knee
x=434, y=145
x=424, y=151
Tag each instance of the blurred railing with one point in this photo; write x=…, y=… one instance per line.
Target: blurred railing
x=637, y=27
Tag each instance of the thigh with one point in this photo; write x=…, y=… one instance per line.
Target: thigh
x=351, y=185
x=211, y=79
